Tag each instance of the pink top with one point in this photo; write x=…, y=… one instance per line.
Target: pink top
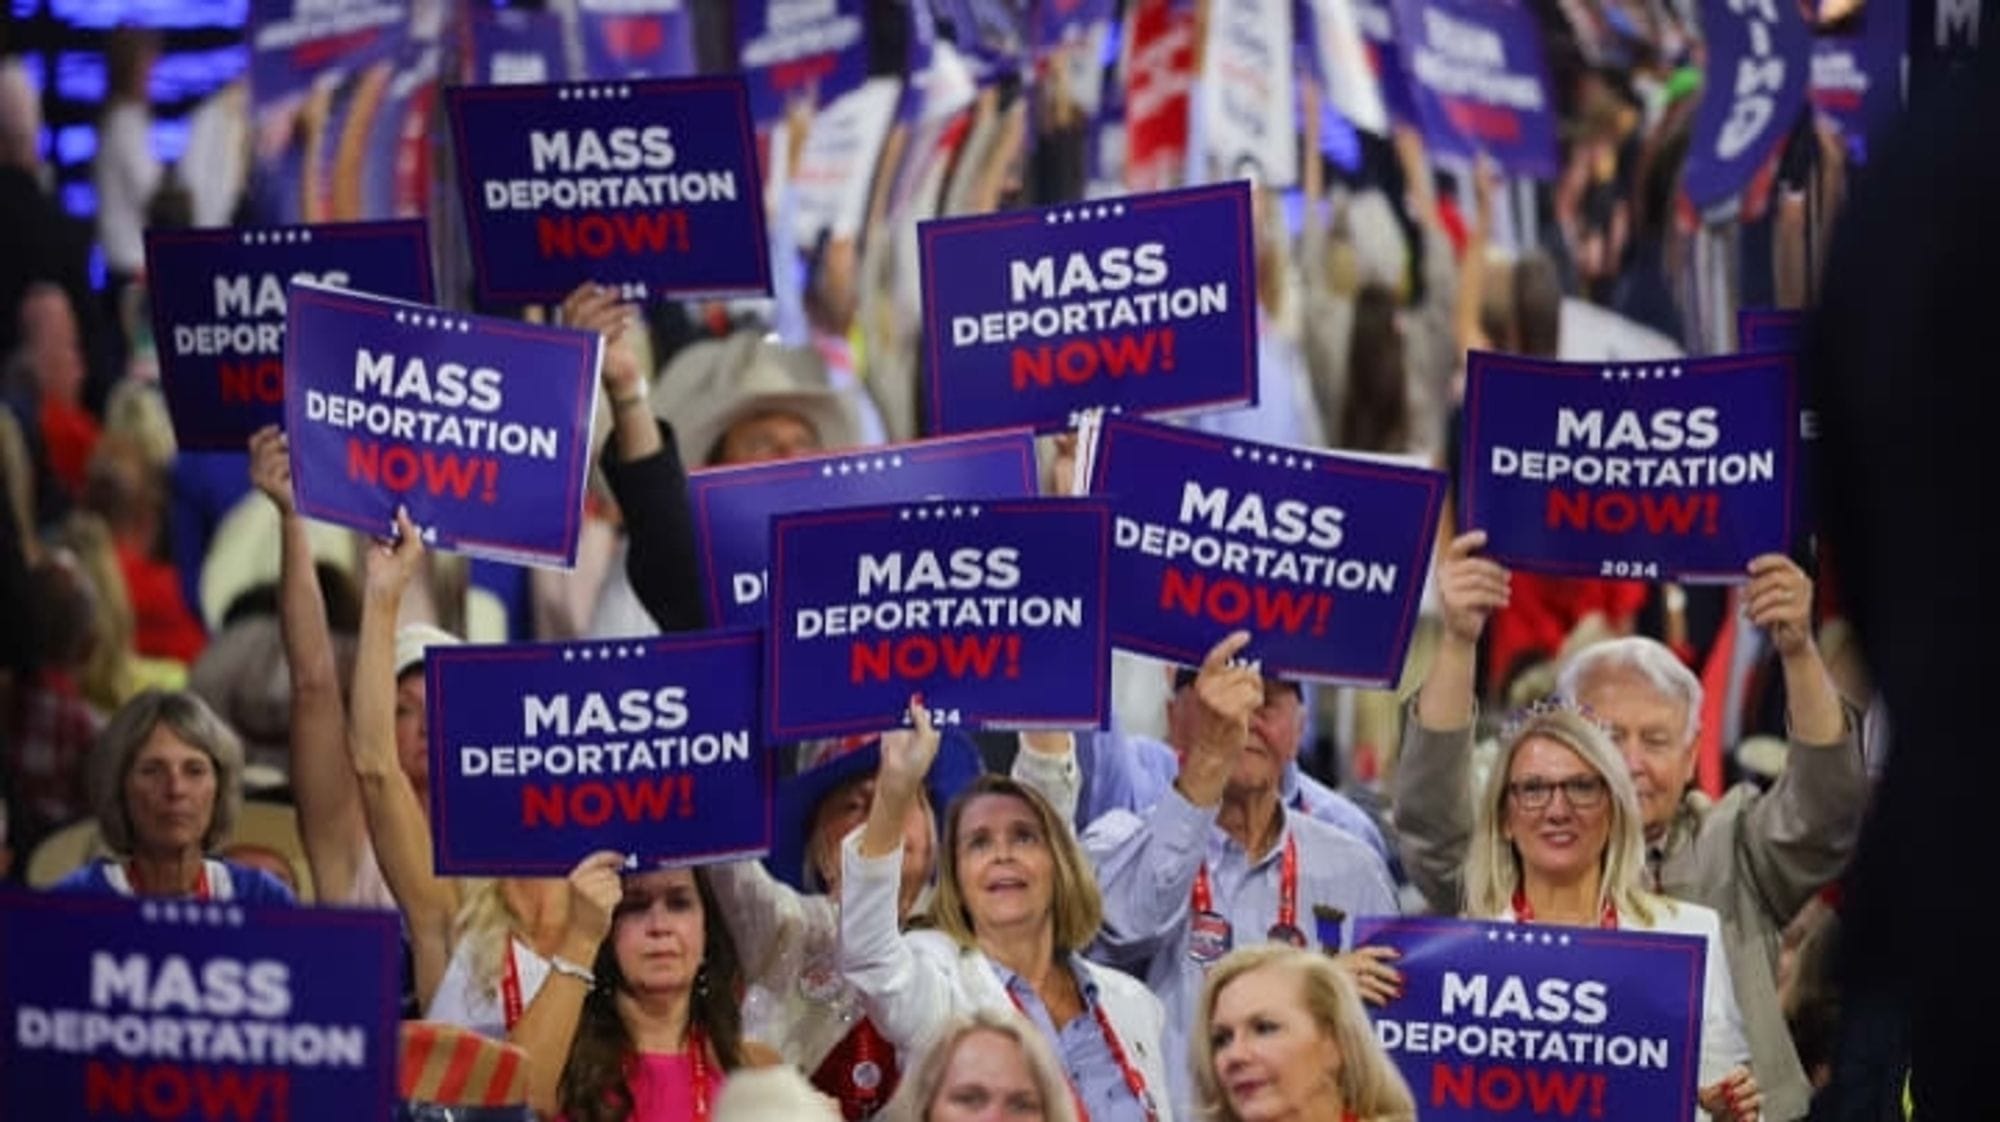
x=663, y=1087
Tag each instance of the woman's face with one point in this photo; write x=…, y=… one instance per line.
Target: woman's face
x=987, y=1079
x=1006, y=870
x=1272, y=1058
x=1558, y=840
x=845, y=809
x=170, y=794
x=657, y=932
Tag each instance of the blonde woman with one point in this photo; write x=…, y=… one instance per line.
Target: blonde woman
x=1281, y=1037
x=485, y=953
x=989, y=1063
x=1016, y=902
x=1558, y=839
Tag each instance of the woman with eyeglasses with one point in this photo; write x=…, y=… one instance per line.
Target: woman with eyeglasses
x=1558, y=840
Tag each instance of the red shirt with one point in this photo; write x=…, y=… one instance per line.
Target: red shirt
x=166, y=629
x=1542, y=611
x=70, y=434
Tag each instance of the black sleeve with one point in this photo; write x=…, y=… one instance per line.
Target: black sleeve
x=663, y=565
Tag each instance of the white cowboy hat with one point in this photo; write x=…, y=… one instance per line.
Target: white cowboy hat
x=713, y=384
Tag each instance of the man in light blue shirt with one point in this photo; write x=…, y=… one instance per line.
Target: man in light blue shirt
x=1221, y=859
x=1126, y=772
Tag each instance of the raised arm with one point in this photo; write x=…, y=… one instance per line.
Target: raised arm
x=547, y=1026
x=1146, y=867
x=329, y=803
x=1047, y=763
x=1801, y=833
x=643, y=466
x=1433, y=805
x=908, y=998
x=1472, y=274
x=396, y=821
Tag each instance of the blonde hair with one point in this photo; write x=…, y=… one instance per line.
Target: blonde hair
x=110, y=676
x=1370, y=1086
x=921, y=1087
x=1493, y=865
x=190, y=719
x=484, y=925
x=1077, y=905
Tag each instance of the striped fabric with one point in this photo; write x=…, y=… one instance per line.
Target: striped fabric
x=452, y=1066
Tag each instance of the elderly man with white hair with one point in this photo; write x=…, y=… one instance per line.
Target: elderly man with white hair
x=1756, y=857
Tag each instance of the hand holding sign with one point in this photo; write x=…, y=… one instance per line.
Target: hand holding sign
x=593, y=307
x=271, y=468
x=1226, y=692
x=907, y=755
x=594, y=892
x=1378, y=982
x=1780, y=600
x=391, y=563
x=1470, y=587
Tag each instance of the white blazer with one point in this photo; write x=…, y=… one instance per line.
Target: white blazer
x=1723, y=1043
x=915, y=983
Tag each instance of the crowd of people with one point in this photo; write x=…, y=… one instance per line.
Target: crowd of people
x=205, y=694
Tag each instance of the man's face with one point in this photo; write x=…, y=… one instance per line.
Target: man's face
x=1651, y=730
x=765, y=437
x=1276, y=728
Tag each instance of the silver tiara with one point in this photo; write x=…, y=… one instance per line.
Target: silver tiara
x=1519, y=719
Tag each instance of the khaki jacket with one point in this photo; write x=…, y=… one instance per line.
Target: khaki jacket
x=1756, y=857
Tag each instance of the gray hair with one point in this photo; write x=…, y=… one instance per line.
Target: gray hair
x=772, y=1094
x=1636, y=654
x=189, y=718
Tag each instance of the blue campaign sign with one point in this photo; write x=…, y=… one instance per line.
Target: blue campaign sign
x=650, y=186
x=480, y=426
x=219, y=311
x=733, y=505
x=1376, y=20
x=1754, y=85
x=625, y=39
x=1784, y=331
x=1857, y=75
x=1479, y=82
x=1681, y=470
x=543, y=753
x=1770, y=329
x=514, y=46
x=1321, y=557
x=1060, y=21
x=1507, y=1021
x=788, y=50
x=1033, y=316
x=190, y=1011
x=293, y=41
x=993, y=611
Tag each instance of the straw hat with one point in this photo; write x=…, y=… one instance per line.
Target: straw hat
x=713, y=384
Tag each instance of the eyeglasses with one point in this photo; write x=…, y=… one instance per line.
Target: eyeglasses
x=1584, y=792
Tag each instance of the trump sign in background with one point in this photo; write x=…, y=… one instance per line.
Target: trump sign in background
x=1530, y=1021
x=219, y=311
x=993, y=611
x=480, y=426
x=544, y=753
x=1680, y=470
x=733, y=506
x=1322, y=558
x=1142, y=304
x=1754, y=85
x=650, y=186
x=185, y=1010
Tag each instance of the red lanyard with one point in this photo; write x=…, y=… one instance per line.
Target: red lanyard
x=1135, y=1081
x=697, y=1046
x=1288, y=885
x=201, y=889
x=510, y=989
x=1524, y=912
